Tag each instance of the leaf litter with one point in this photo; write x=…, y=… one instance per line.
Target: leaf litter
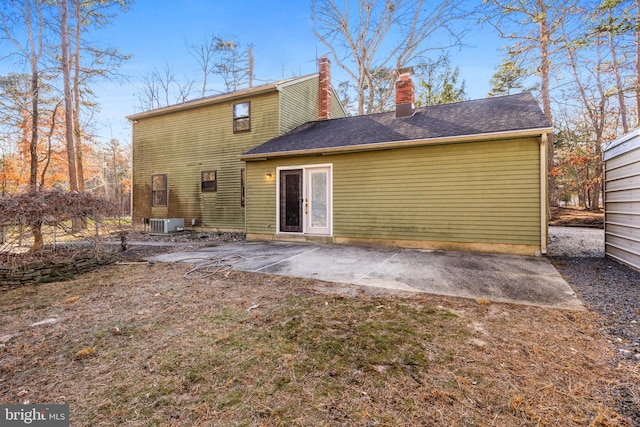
x=143, y=345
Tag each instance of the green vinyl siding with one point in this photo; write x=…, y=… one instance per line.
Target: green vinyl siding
x=337, y=110
x=299, y=104
x=481, y=192
x=182, y=144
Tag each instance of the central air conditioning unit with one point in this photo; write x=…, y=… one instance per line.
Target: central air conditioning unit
x=166, y=225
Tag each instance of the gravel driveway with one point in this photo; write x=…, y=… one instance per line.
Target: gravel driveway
x=608, y=288
x=605, y=286
x=575, y=242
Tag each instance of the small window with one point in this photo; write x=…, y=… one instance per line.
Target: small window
x=159, y=190
x=242, y=181
x=242, y=117
x=209, y=181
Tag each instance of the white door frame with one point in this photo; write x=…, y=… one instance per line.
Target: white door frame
x=306, y=172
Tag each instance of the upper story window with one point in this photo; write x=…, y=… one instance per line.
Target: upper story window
x=159, y=190
x=242, y=117
x=209, y=181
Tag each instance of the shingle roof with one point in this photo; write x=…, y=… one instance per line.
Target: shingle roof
x=469, y=118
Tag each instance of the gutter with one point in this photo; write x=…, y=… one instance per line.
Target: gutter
x=399, y=144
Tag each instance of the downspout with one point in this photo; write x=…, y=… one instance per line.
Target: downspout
x=544, y=196
x=133, y=138
x=246, y=201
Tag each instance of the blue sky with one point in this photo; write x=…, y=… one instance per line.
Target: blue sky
x=155, y=33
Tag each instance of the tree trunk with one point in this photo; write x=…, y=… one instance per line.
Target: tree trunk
x=619, y=85
x=35, y=101
x=38, y=241
x=68, y=100
x=546, y=96
x=597, y=186
x=52, y=128
x=33, y=145
x=76, y=97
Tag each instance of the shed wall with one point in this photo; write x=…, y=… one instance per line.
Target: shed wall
x=622, y=200
x=481, y=193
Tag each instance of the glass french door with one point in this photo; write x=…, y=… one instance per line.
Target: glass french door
x=317, y=201
x=305, y=200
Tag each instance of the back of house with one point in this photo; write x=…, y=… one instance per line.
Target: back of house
x=468, y=176
x=186, y=162
x=283, y=162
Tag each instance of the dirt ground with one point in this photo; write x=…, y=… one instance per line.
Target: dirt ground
x=575, y=217
x=148, y=344
x=142, y=344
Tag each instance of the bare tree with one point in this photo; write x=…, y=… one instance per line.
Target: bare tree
x=532, y=27
x=65, y=47
x=225, y=58
x=163, y=88
x=47, y=159
x=366, y=36
x=77, y=127
x=615, y=21
x=103, y=62
x=32, y=209
x=205, y=53
x=578, y=160
x=28, y=15
x=597, y=58
x=594, y=95
x=620, y=89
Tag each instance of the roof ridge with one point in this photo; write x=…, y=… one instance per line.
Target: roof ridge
x=213, y=98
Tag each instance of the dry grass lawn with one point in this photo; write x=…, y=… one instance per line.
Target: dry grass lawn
x=143, y=345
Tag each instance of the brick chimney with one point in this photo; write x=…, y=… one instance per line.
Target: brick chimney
x=324, y=89
x=405, y=93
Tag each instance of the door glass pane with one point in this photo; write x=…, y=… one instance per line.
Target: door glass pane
x=291, y=201
x=318, y=200
x=292, y=209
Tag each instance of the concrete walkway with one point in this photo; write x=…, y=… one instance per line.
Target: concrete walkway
x=502, y=278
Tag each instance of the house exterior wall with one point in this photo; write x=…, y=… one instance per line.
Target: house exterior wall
x=482, y=196
x=182, y=144
x=337, y=110
x=299, y=104
x=622, y=200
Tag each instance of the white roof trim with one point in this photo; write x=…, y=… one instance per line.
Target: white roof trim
x=241, y=93
x=296, y=80
x=523, y=133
